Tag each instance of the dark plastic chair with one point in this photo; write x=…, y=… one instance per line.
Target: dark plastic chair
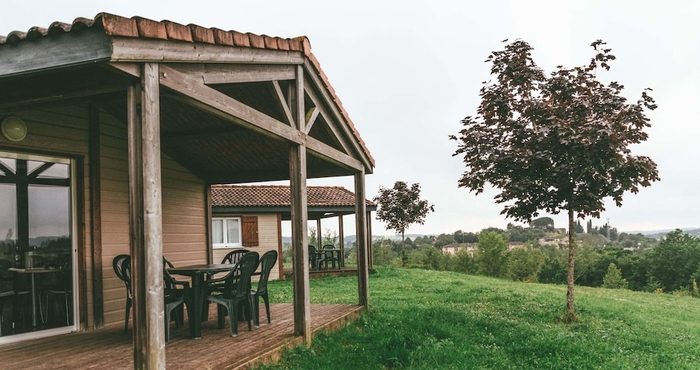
x=315, y=258
x=234, y=256
x=218, y=284
x=171, y=287
x=8, y=292
x=122, y=268
x=330, y=256
x=63, y=287
x=174, y=298
x=236, y=293
x=267, y=261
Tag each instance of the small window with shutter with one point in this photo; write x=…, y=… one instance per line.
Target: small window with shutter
x=234, y=232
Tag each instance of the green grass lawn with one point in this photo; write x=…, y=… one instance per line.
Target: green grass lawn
x=422, y=319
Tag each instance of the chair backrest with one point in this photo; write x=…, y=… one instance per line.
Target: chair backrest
x=267, y=261
x=168, y=279
x=329, y=246
x=234, y=256
x=237, y=283
x=313, y=253
x=122, y=268
x=65, y=278
x=6, y=278
x=167, y=264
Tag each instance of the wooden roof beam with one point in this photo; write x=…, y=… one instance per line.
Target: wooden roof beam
x=327, y=117
x=282, y=102
x=127, y=49
x=213, y=74
x=194, y=92
x=325, y=94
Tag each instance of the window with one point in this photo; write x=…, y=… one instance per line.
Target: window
x=226, y=232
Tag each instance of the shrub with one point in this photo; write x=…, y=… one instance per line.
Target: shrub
x=613, y=279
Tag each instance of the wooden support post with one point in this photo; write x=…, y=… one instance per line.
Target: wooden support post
x=280, y=249
x=95, y=215
x=341, y=240
x=302, y=302
x=146, y=220
x=370, y=254
x=299, y=215
x=361, y=225
x=207, y=225
x=319, y=235
x=136, y=217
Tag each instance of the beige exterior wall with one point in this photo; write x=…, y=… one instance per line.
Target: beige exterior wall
x=184, y=222
x=63, y=131
x=268, y=229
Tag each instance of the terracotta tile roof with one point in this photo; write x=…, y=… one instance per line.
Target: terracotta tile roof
x=278, y=195
x=115, y=25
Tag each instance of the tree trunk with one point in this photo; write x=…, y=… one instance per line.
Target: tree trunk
x=570, y=310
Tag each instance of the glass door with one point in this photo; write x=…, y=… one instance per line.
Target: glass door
x=36, y=252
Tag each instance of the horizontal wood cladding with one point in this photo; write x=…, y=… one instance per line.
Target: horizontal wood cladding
x=184, y=221
x=267, y=239
x=63, y=132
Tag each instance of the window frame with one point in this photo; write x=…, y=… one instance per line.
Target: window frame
x=226, y=244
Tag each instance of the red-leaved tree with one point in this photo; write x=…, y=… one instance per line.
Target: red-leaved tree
x=558, y=142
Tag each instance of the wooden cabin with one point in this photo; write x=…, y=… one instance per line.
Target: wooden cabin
x=115, y=129
x=257, y=213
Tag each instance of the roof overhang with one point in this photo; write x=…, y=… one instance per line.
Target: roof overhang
x=225, y=109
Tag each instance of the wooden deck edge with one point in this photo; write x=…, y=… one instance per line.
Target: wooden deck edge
x=274, y=354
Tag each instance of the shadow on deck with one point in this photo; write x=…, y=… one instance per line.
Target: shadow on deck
x=110, y=348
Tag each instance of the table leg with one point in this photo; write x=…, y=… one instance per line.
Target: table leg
x=33, y=302
x=195, y=314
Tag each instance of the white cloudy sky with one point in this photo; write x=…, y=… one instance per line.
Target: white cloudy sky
x=408, y=71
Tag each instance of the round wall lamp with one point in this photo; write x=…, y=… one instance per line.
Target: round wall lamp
x=14, y=128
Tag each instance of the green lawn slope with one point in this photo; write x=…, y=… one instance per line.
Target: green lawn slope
x=422, y=319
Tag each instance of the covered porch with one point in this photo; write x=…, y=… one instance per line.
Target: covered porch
x=110, y=348
x=143, y=117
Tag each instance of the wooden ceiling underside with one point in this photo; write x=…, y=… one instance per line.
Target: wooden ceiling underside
x=212, y=147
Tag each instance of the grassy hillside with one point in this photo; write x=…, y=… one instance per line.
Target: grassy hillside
x=440, y=320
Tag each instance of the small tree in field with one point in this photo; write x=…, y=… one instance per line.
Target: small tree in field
x=401, y=207
x=613, y=278
x=554, y=143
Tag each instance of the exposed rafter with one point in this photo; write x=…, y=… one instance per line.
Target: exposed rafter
x=311, y=116
x=196, y=93
x=282, y=102
x=328, y=118
x=316, y=80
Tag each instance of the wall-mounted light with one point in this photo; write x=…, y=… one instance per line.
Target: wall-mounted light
x=14, y=128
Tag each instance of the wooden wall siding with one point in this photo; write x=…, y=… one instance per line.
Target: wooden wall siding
x=62, y=131
x=184, y=221
x=267, y=239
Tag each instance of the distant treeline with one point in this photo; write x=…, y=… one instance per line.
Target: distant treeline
x=631, y=261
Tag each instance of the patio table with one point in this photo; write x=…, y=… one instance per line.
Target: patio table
x=33, y=271
x=335, y=254
x=197, y=273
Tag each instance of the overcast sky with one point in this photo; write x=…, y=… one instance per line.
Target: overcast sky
x=408, y=71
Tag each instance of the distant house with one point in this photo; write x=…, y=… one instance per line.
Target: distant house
x=251, y=216
x=513, y=245
x=453, y=248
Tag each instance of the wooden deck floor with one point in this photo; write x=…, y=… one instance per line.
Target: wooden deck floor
x=110, y=348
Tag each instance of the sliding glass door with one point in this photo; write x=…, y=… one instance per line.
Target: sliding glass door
x=37, y=246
